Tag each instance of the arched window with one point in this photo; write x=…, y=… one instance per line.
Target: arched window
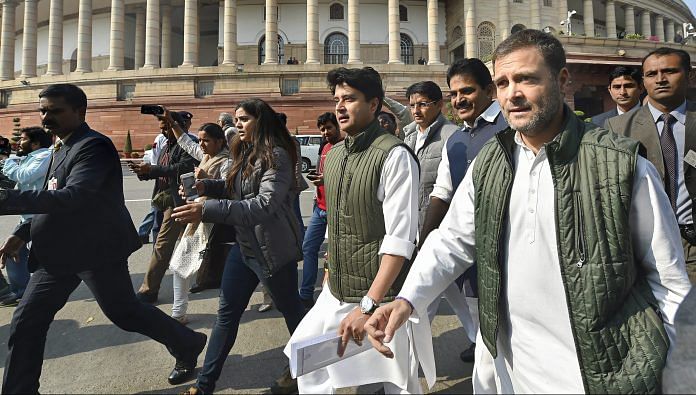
x=403, y=13
x=457, y=33
x=486, y=39
x=406, y=49
x=336, y=49
x=336, y=11
x=517, y=28
x=262, y=49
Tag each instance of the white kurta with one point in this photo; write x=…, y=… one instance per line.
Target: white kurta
x=536, y=351
x=398, y=192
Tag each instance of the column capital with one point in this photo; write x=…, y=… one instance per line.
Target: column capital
x=9, y=3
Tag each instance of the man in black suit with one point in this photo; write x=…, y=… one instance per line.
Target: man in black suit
x=81, y=231
x=625, y=88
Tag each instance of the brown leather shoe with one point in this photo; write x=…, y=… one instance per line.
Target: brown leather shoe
x=192, y=391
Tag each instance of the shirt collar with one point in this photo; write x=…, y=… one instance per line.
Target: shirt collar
x=36, y=152
x=619, y=111
x=679, y=113
x=489, y=115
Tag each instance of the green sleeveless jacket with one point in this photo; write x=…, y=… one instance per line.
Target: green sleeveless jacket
x=354, y=215
x=620, y=340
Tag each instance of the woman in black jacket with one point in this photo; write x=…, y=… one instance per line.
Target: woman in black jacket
x=257, y=199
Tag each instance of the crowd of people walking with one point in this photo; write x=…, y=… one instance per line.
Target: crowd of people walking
x=566, y=247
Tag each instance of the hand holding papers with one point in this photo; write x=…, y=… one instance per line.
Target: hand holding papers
x=315, y=353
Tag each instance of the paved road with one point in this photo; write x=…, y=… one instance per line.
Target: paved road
x=86, y=353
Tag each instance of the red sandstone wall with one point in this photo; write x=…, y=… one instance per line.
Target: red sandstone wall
x=115, y=118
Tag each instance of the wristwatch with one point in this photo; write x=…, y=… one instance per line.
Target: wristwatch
x=368, y=305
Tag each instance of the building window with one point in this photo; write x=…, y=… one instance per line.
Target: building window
x=486, y=40
x=125, y=92
x=457, y=33
x=5, y=97
x=336, y=49
x=262, y=49
x=517, y=28
x=517, y=1
x=336, y=12
x=548, y=3
x=406, y=49
x=403, y=13
x=204, y=88
x=289, y=86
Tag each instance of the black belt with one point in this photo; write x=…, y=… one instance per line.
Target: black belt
x=688, y=233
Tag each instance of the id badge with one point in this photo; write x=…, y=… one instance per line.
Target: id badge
x=52, y=184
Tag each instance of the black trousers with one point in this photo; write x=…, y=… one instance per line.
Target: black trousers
x=47, y=293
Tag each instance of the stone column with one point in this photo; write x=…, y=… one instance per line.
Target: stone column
x=562, y=14
x=504, y=18
x=7, y=43
x=166, y=60
x=229, y=56
x=630, y=17
x=588, y=18
x=84, y=37
x=669, y=31
x=312, y=32
x=354, y=32
x=394, y=32
x=116, y=40
x=191, y=33
x=611, y=19
x=660, y=27
x=470, y=28
x=535, y=14
x=139, y=37
x=433, y=40
x=152, y=35
x=55, y=38
x=29, y=38
x=645, y=24
x=271, y=32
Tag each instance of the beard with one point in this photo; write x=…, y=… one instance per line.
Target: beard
x=550, y=104
x=21, y=152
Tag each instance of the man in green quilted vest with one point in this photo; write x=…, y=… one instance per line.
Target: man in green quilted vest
x=371, y=184
x=579, y=255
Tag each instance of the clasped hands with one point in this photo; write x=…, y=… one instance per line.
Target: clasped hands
x=380, y=326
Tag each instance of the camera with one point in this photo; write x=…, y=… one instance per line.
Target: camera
x=152, y=109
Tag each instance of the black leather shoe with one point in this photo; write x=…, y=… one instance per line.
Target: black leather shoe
x=468, y=354
x=185, y=368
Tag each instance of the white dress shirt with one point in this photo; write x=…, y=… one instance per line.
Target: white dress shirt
x=536, y=351
x=443, y=188
x=619, y=111
x=679, y=131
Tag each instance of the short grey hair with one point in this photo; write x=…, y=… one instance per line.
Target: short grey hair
x=226, y=118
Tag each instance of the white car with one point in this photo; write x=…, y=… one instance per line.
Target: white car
x=309, y=144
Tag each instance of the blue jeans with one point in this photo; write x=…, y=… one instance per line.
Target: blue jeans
x=238, y=284
x=18, y=273
x=314, y=237
x=151, y=222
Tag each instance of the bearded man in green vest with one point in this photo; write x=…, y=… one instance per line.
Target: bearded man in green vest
x=579, y=255
x=371, y=181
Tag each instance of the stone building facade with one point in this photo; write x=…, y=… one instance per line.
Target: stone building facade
x=207, y=55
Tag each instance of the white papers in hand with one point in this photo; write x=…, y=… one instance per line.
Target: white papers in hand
x=311, y=354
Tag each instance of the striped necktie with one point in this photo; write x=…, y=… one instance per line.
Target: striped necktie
x=669, y=154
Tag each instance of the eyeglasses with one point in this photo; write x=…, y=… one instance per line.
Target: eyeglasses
x=422, y=104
